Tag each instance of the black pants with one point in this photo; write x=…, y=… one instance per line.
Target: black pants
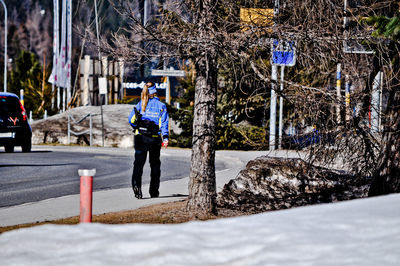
x=144, y=144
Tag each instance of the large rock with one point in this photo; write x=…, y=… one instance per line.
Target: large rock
x=117, y=131
x=271, y=184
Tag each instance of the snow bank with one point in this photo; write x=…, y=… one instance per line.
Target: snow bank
x=358, y=232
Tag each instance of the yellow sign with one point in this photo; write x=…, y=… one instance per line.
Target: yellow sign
x=259, y=17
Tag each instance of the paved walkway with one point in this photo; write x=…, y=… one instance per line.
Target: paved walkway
x=123, y=199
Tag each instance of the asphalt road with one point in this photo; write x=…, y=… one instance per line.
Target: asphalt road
x=49, y=172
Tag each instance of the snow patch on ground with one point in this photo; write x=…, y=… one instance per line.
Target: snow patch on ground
x=358, y=232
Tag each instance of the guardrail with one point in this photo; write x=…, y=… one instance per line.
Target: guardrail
x=90, y=131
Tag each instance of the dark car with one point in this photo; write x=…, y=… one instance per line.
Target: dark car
x=14, y=127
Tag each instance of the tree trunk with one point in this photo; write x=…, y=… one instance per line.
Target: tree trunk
x=387, y=177
x=202, y=186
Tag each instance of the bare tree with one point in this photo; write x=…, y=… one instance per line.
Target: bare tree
x=38, y=25
x=192, y=30
x=209, y=32
x=326, y=36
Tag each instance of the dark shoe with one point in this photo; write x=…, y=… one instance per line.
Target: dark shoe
x=138, y=192
x=154, y=195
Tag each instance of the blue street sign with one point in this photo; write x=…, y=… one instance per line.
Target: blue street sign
x=283, y=53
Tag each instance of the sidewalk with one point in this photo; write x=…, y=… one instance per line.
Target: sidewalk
x=123, y=199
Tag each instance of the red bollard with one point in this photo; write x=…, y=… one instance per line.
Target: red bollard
x=86, y=194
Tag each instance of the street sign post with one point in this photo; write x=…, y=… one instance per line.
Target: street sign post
x=355, y=46
x=102, y=85
x=283, y=53
x=167, y=73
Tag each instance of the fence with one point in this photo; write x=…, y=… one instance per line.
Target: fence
x=90, y=131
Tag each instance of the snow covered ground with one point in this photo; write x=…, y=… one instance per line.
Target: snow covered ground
x=359, y=232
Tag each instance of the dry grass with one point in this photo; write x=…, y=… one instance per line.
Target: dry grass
x=164, y=213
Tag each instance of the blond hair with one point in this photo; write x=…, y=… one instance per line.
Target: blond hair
x=145, y=95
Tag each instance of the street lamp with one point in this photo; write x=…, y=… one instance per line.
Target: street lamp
x=5, y=46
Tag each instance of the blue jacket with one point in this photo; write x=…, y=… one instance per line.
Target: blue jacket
x=156, y=111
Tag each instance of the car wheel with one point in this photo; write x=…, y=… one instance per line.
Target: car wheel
x=9, y=148
x=27, y=146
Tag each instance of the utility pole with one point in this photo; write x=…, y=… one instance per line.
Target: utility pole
x=101, y=69
x=143, y=16
x=347, y=87
x=375, y=102
x=272, y=117
x=281, y=108
x=5, y=45
x=338, y=93
x=55, y=49
x=274, y=78
x=145, y=13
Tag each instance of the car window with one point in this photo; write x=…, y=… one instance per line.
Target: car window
x=9, y=105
